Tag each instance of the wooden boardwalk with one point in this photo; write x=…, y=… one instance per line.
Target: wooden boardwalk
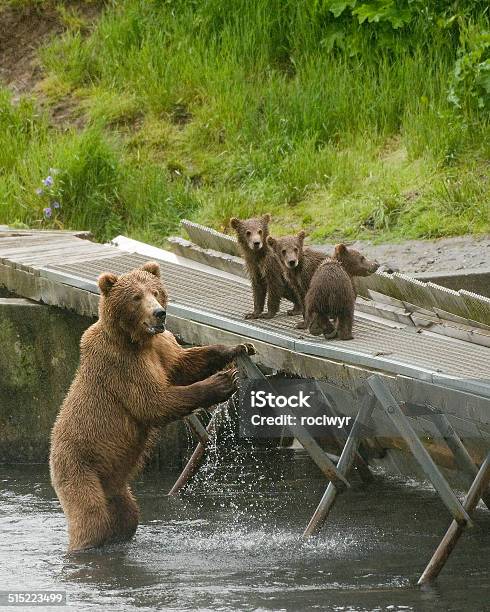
x=207, y=305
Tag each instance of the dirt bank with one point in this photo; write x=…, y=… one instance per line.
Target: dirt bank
x=23, y=29
x=442, y=255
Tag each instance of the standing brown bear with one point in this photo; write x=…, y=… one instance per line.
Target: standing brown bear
x=298, y=264
x=263, y=268
x=133, y=379
x=332, y=294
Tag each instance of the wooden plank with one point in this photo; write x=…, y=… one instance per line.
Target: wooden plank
x=381, y=309
x=63, y=256
x=393, y=410
x=448, y=299
x=458, y=332
x=26, y=250
x=413, y=291
x=6, y=230
x=211, y=239
x=449, y=316
x=455, y=530
x=35, y=267
x=478, y=306
x=7, y=247
x=457, y=403
x=49, y=248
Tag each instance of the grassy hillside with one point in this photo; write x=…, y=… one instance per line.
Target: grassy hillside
x=347, y=118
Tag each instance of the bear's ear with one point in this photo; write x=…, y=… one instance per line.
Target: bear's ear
x=340, y=250
x=301, y=235
x=271, y=241
x=235, y=223
x=152, y=267
x=266, y=218
x=106, y=281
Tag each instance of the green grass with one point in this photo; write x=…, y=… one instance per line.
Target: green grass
x=214, y=109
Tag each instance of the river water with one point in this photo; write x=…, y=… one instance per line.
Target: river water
x=232, y=542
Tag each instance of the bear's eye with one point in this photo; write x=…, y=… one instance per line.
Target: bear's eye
x=260, y=232
x=137, y=297
x=284, y=251
x=249, y=233
x=295, y=249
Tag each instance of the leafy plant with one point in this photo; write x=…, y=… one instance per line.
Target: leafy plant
x=470, y=82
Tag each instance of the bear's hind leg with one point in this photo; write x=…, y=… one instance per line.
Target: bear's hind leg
x=345, y=323
x=321, y=324
x=314, y=324
x=328, y=329
x=85, y=507
x=125, y=516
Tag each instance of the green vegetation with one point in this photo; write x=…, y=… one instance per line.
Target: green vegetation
x=352, y=119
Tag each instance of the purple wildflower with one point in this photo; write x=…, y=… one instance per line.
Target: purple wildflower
x=47, y=212
x=56, y=205
x=48, y=181
x=39, y=192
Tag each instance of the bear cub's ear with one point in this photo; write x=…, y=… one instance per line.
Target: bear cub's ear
x=340, y=249
x=266, y=218
x=271, y=241
x=301, y=235
x=152, y=267
x=106, y=281
x=235, y=223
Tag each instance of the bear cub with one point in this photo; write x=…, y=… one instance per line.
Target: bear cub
x=298, y=264
x=332, y=293
x=263, y=268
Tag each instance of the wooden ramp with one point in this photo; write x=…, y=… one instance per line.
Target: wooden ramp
x=207, y=305
x=420, y=399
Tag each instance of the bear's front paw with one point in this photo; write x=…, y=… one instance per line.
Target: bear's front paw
x=267, y=315
x=223, y=384
x=252, y=315
x=247, y=348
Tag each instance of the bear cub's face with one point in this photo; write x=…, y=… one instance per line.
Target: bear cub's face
x=136, y=301
x=288, y=249
x=252, y=233
x=353, y=262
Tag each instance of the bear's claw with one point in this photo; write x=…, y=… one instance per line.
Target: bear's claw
x=247, y=347
x=252, y=315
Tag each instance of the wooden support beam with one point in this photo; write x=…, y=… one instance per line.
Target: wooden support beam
x=462, y=458
x=401, y=422
x=198, y=429
x=455, y=530
x=319, y=456
x=341, y=436
x=194, y=463
x=346, y=461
